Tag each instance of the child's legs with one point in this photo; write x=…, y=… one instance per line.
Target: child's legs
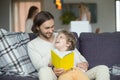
x=46, y=73
x=74, y=74
x=99, y=73
x=66, y=76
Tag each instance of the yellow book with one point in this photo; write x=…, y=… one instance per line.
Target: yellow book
x=62, y=60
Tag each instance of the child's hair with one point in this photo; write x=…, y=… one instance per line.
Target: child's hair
x=70, y=38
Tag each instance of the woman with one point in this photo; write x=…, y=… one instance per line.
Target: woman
x=40, y=47
x=29, y=21
x=85, y=14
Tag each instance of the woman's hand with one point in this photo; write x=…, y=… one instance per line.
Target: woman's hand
x=83, y=65
x=59, y=71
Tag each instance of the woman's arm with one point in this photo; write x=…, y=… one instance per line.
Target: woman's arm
x=37, y=60
x=88, y=16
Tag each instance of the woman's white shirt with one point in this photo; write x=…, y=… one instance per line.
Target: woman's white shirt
x=28, y=25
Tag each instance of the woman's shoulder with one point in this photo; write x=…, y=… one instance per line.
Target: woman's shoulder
x=34, y=41
x=29, y=20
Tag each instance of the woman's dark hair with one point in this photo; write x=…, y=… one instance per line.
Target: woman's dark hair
x=39, y=19
x=82, y=4
x=31, y=11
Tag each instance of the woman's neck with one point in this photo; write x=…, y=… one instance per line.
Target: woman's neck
x=51, y=39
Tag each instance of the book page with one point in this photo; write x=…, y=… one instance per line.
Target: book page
x=61, y=54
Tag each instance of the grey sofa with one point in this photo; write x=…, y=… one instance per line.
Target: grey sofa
x=101, y=49
x=98, y=49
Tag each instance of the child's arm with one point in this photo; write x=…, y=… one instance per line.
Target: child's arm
x=80, y=61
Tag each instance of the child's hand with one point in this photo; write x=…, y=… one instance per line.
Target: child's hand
x=83, y=65
x=50, y=65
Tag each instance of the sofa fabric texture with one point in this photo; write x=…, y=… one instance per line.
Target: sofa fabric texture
x=100, y=49
x=15, y=77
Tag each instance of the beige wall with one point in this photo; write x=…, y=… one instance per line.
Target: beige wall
x=105, y=14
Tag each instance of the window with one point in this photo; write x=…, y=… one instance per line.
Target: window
x=118, y=15
x=20, y=11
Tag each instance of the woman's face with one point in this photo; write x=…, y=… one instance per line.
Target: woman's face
x=47, y=29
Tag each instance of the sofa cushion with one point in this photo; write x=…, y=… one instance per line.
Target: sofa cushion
x=113, y=77
x=13, y=54
x=14, y=77
x=100, y=49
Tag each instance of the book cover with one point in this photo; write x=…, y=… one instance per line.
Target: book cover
x=62, y=60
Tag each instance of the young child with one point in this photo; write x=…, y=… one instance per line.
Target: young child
x=65, y=41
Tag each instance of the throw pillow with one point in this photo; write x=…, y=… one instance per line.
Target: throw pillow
x=14, y=57
x=115, y=70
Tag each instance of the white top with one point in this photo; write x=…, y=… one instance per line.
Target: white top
x=84, y=17
x=28, y=25
x=39, y=52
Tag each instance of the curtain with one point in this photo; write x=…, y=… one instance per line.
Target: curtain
x=20, y=12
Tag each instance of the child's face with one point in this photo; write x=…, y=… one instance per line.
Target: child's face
x=61, y=42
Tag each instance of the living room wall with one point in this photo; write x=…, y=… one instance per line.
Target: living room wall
x=105, y=14
x=5, y=14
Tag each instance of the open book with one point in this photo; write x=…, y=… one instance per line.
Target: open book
x=62, y=60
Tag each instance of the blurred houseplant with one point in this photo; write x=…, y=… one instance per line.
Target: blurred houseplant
x=67, y=16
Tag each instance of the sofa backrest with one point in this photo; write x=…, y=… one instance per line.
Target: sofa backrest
x=100, y=49
x=32, y=36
